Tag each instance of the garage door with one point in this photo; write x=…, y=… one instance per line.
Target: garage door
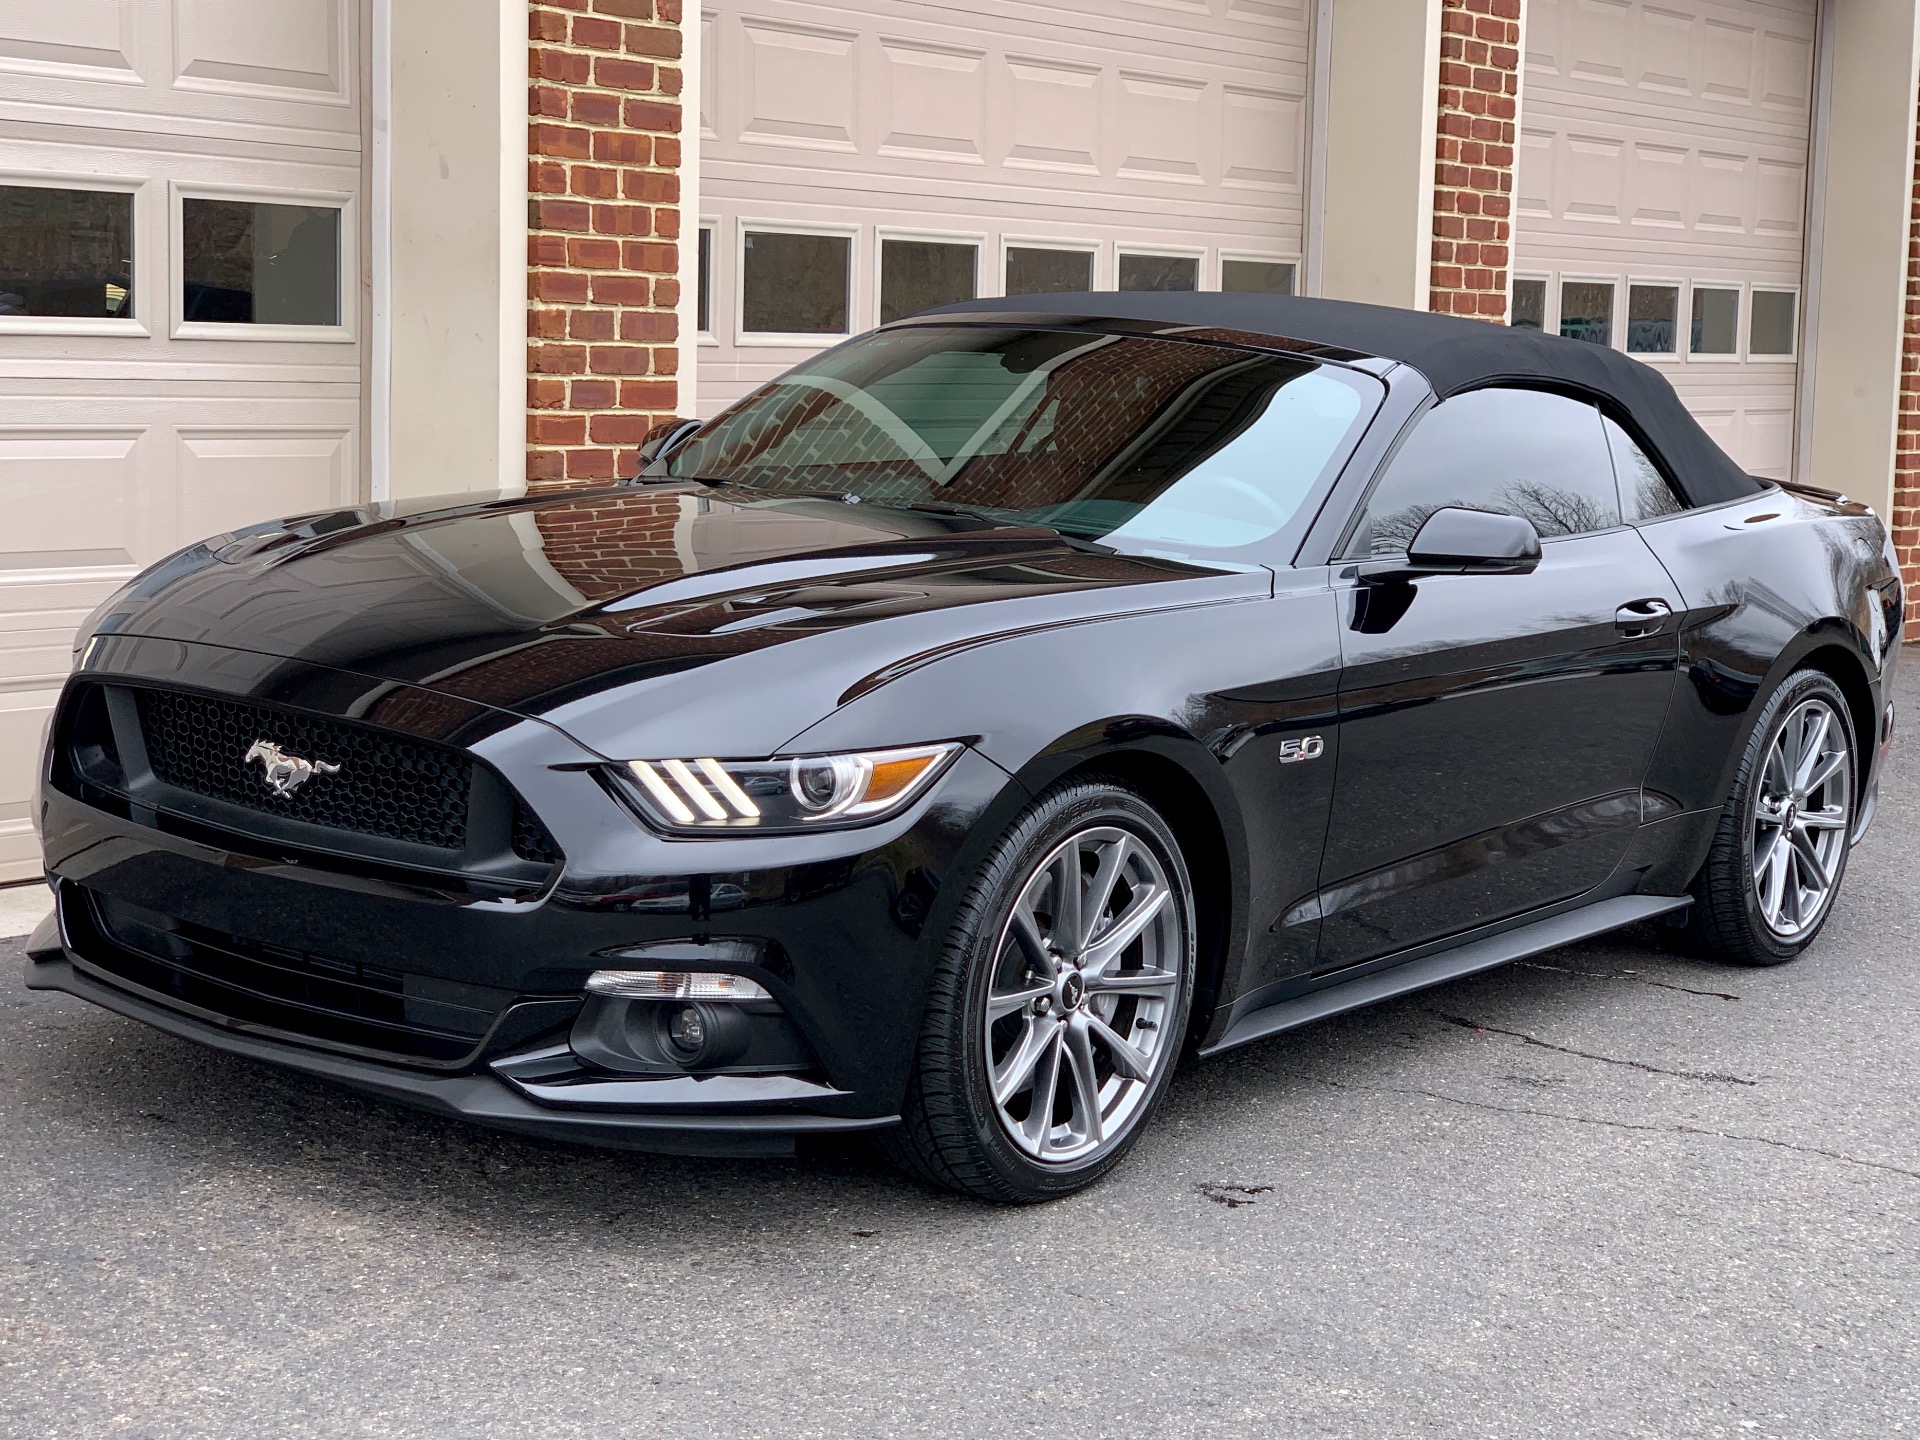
x=865, y=160
x=1661, y=198
x=179, y=305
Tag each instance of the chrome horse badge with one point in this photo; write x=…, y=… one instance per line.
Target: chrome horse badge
x=285, y=773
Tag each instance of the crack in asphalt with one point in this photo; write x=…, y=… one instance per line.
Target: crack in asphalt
x=1714, y=1075
x=1672, y=1129
x=1633, y=975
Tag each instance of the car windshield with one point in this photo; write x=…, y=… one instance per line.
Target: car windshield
x=1150, y=446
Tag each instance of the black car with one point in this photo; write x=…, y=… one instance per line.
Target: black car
x=958, y=730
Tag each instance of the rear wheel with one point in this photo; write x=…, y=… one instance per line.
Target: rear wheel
x=1060, y=1003
x=1780, y=851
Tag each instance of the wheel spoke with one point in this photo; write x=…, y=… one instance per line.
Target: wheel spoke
x=1834, y=817
x=1046, y=1083
x=1826, y=770
x=1813, y=747
x=1133, y=982
x=1086, y=1081
x=1128, y=1059
x=1004, y=1002
x=1011, y=1074
x=1773, y=887
x=1113, y=859
x=1126, y=928
x=1809, y=857
x=1068, y=898
x=1026, y=934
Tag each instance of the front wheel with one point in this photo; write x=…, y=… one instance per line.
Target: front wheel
x=1781, y=848
x=1059, y=1005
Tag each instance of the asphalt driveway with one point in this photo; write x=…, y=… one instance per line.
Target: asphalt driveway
x=1613, y=1192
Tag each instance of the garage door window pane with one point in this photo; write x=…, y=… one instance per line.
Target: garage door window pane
x=1045, y=272
x=1529, y=305
x=249, y=264
x=1256, y=277
x=1159, y=272
x=1770, y=329
x=65, y=252
x=703, y=297
x=918, y=275
x=1653, y=319
x=1716, y=321
x=795, y=284
x=1586, y=311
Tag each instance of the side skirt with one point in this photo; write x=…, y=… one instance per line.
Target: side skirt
x=1465, y=959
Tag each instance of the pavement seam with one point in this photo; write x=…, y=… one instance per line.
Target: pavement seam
x=1700, y=1130
x=1714, y=1075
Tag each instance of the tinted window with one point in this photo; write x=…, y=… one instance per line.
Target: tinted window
x=1653, y=319
x=1644, y=491
x=1159, y=272
x=1516, y=452
x=1716, y=321
x=1146, y=445
x=1529, y=304
x=1032, y=271
x=918, y=275
x=1256, y=277
x=243, y=263
x=794, y=284
x=65, y=252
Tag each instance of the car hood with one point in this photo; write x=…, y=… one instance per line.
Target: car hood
x=650, y=617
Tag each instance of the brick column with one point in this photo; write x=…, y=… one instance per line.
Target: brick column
x=603, y=249
x=1473, y=170
x=1905, y=523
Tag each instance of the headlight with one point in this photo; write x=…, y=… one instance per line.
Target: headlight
x=809, y=792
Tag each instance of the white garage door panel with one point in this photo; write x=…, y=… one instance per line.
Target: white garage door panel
x=47, y=477
x=260, y=473
x=22, y=715
x=1176, y=127
x=123, y=440
x=1667, y=143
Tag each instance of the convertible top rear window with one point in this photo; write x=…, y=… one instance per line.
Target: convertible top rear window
x=1148, y=445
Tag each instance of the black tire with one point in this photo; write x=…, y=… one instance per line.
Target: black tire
x=1728, y=920
x=956, y=1135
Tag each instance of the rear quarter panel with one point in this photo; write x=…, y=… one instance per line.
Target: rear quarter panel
x=1765, y=583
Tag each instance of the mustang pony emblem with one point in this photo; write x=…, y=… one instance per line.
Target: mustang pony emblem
x=285, y=773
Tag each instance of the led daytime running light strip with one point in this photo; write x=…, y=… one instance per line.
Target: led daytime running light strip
x=675, y=801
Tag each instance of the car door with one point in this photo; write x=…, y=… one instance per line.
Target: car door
x=1494, y=729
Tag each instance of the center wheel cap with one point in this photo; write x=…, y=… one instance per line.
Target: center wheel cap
x=1073, y=989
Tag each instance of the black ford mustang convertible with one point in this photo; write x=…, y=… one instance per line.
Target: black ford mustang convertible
x=958, y=730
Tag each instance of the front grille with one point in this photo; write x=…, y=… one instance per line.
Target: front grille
x=388, y=785
x=294, y=992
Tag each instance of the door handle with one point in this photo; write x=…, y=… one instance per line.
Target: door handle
x=1641, y=617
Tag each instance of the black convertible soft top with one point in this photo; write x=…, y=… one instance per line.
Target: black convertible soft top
x=1453, y=354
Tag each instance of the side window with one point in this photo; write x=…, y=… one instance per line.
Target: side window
x=1516, y=452
x=1644, y=491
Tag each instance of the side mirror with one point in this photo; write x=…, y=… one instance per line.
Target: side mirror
x=1458, y=541
x=665, y=438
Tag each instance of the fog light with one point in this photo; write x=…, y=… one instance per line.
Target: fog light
x=674, y=985
x=687, y=1030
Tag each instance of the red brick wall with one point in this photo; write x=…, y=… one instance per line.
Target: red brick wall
x=1906, y=459
x=604, y=121
x=1473, y=170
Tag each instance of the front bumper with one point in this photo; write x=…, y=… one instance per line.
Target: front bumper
x=846, y=926
x=483, y=1098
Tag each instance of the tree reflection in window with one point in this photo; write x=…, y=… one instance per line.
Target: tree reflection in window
x=1511, y=451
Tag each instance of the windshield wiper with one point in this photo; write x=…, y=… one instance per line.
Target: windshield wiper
x=941, y=507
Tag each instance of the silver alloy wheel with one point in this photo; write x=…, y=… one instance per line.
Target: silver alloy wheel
x=1802, y=814
x=1085, y=981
